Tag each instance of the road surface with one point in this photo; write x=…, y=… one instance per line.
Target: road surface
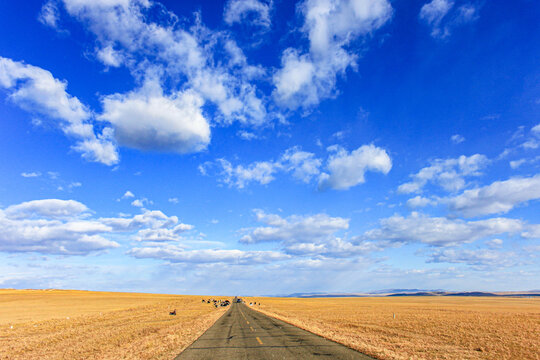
x=243, y=333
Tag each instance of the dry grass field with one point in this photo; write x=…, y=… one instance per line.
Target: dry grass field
x=59, y=324
x=424, y=327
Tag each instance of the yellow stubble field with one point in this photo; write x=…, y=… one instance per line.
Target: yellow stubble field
x=423, y=327
x=68, y=324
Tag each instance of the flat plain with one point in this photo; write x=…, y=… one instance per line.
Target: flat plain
x=66, y=324
x=434, y=327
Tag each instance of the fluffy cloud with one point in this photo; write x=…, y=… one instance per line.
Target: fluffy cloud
x=498, y=197
x=36, y=90
x=153, y=219
x=457, y=139
x=295, y=228
x=442, y=17
x=128, y=35
x=532, y=232
x=49, y=208
x=49, y=14
x=163, y=234
x=536, y=130
x=439, y=231
x=31, y=174
x=419, y=201
x=480, y=258
x=54, y=226
x=303, y=165
x=51, y=226
x=330, y=25
x=432, y=13
x=312, y=235
x=236, y=257
x=449, y=173
x=148, y=120
x=346, y=170
x=257, y=12
x=128, y=194
x=261, y=172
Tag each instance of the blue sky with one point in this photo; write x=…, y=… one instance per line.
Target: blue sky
x=269, y=147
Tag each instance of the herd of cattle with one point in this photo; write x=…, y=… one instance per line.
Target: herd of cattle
x=217, y=303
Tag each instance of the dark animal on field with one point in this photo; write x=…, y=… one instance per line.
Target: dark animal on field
x=173, y=312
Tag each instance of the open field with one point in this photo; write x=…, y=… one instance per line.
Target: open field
x=62, y=324
x=423, y=328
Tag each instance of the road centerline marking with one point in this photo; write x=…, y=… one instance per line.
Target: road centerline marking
x=259, y=340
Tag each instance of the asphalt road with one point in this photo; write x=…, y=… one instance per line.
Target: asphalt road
x=243, y=333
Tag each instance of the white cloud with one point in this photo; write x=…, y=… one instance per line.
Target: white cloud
x=127, y=35
x=153, y=219
x=536, y=130
x=498, y=197
x=237, y=257
x=303, y=165
x=109, y=56
x=49, y=208
x=246, y=135
x=449, y=173
x=53, y=175
x=239, y=176
x=494, y=243
x=310, y=235
x=347, y=169
x=344, y=169
x=35, y=89
x=514, y=164
x=439, y=231
x=31, y=174
x=481, y=258
x=295, y=81
x=420, y=201
x=163, y=234
x=442, y=17
x=128, y=194
x=295, y=228
x=173, y=200
x=433, y=13
x=521, y=140
x=255, y=11
x=49, y=15
x=141, y=202
x=305, y=79
x=532, y=232
x=457, y=139
x=148, y=120
x=137, y=203
x=53, y=226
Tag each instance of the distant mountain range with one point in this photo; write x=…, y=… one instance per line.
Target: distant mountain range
x=415, y=292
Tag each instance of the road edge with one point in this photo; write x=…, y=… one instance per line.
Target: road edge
x=204, y=332
x=277, y=317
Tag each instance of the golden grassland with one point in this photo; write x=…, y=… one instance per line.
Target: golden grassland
x=68, y=324
x=423, y=328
